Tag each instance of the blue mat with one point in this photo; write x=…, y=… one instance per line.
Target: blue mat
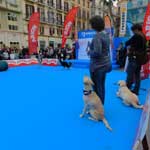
x=40, y=108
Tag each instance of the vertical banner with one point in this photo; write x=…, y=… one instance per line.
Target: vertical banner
x=146, y=24
x=33, y=32
x=69, y=20
x=145, y=71
x=123, y=12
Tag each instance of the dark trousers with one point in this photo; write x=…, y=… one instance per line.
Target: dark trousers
x=99, y=77
x=133, y=75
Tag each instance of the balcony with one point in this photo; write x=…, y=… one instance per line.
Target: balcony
x=31, y=0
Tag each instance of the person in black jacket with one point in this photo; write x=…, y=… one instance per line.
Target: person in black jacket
x=135, y=44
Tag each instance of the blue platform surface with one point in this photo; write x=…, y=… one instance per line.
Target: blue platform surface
x=40, y=108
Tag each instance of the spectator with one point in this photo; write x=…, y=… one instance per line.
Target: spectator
x=121, y=55
x=135, y=44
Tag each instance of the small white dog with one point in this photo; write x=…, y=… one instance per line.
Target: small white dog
x=92, y=103
x=127, y=96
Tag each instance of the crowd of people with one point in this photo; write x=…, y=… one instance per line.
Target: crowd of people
x=7, y=53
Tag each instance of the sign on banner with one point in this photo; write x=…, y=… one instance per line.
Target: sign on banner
x=84, y=40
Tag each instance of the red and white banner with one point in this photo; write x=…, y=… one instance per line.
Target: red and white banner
x=33, y=32
x=145, y=71
x=146, y=24
x=32, y=61
x=69, y=20
x=50, y=62
x=22, y=62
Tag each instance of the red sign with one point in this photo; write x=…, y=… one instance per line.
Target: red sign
x=69, y=20
x=146, y=24
x=33, y=32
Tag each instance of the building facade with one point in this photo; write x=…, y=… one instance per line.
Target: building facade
x=136, y=11
x=11, y=23
x=52, y=16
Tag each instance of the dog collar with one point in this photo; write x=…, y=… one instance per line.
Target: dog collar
x=87, y=92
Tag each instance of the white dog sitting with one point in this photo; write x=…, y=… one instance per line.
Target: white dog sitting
x=127, y=96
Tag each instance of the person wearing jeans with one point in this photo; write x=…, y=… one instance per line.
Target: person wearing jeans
x=100, y=62
x=135, y=44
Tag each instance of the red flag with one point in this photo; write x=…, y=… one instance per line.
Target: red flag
x=33, y=32
x=146, y=24
x=69, y=20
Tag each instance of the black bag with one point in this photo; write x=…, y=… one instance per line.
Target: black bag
x=141, y=57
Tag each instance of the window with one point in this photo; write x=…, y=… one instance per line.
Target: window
x=41, y=1
x=42, y=14
x=58, y=4
x=59, y=19
x=51, y=31
x=1, y=44
x=42, y=45
x=88, y=15
x=83, y=26
x=29, y=10
x=42, y=30
x=79, y=26
x=13, y=27
x=83, y=2
x=84, y=14
x=79, y=13
x=12, y=16
x=50, y=15
x=66, y=6
x=50, y=3
x=59, y=31
x=12, y=2
x=88, y=4
x=14, y=44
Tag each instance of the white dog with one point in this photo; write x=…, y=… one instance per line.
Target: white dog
x=92, y=103
x=127, y=96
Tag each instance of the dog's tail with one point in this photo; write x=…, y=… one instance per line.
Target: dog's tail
x=106, y=124
x=138, y=106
